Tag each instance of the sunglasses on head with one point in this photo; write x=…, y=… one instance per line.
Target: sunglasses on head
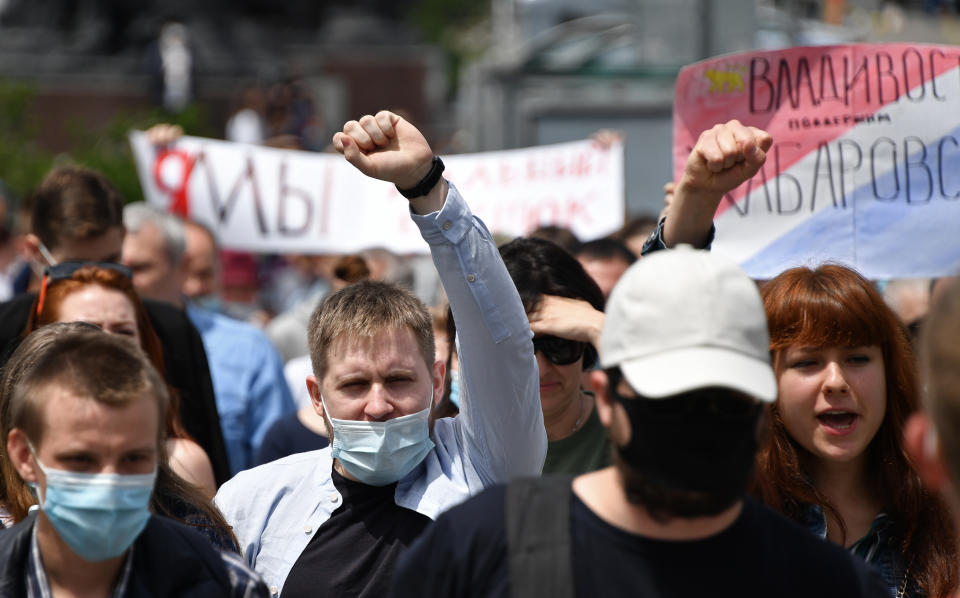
x=66, y=270
x=558, y=350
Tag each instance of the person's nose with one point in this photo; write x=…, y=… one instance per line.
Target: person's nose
x=834, y=381
x=378, y=406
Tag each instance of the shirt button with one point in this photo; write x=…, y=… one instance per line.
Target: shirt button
x=447, y=225
x=273, y=590
x=334, y=498
x=471, y=277
x=307, y=529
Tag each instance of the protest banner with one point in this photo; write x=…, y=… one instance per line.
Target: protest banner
x=865, y=166
x=280, y=201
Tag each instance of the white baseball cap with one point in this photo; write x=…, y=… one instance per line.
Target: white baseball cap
x=684, y=319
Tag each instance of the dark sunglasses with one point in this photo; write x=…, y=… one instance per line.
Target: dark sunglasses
x=724, y=403
x=558, y=350
x=66, y=270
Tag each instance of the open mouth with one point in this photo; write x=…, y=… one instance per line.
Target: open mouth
x=838, y=421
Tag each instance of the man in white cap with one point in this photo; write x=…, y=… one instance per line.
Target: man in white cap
x=686, y=371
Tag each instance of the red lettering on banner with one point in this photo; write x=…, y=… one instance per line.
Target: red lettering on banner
x=507, y=174
x=576, y=211
x=477, y=176
x=180, y=203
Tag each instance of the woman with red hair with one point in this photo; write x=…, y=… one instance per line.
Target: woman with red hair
x=833, y=459
x=103, y=294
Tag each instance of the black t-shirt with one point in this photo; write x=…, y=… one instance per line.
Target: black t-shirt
x=287, y=436
x=762, y=554
x=355, y=551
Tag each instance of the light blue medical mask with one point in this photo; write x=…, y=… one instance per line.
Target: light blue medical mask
x=455, y=388
x=99, y=515
x=380, y=453
x=209, y=302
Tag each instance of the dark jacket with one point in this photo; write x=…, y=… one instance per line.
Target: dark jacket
x=169, y=559
x=185, y=359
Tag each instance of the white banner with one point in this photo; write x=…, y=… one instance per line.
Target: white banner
x=280, y=201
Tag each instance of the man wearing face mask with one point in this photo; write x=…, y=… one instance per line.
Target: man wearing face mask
x=334, y=521
x=86, y=434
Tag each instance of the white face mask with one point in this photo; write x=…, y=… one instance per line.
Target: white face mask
x=380, y=453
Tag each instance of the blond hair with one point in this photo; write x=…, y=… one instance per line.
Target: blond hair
x=364, y=309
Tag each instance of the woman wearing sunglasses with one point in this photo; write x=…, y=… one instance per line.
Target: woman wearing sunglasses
x=565, y=309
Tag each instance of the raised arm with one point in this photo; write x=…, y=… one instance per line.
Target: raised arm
x=499, y=432
x=572, y=319
x=723, y=158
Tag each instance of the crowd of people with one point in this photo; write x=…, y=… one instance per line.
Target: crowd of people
x=572, y=420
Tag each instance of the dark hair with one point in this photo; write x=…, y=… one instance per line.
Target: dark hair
x=351, y=268
x=606, y=249
x=834, y=306
x=74, y=204
x=641, y=225
x=539, y=268
x=563, y=237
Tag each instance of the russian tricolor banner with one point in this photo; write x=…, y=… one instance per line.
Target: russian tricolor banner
x=865, y=166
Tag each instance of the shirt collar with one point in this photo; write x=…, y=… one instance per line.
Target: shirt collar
x=39, y=587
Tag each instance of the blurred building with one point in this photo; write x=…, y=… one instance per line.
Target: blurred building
x=559, y=70
x=89, y=60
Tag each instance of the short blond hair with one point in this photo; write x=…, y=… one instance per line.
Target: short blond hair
x=367, y=308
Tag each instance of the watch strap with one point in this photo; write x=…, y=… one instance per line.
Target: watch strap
x=427, y=182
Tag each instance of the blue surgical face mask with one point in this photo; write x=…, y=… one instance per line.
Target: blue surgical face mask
x=380, y=453
x=455, y=388
x=99, y=515
x=211, y=302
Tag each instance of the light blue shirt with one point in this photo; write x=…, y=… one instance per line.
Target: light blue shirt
x=248, y=383
x=276, y=508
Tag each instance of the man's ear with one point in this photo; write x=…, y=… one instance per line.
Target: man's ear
x=19, y=453
x=313, y=387
x=601, y=389
x=439, y=375
x=30, y=249
x=923, y=446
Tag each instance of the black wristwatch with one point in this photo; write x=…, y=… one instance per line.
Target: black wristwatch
x=427, y=182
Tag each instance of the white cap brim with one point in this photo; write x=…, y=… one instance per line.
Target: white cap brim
x=680, y=370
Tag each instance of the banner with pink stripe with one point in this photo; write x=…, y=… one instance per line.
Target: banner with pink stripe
x=865, y=167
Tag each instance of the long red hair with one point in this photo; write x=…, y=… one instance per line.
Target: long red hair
x=48, y=312
x=834, y=306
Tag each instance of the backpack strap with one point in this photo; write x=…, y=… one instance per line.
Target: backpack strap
x=538, y=537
